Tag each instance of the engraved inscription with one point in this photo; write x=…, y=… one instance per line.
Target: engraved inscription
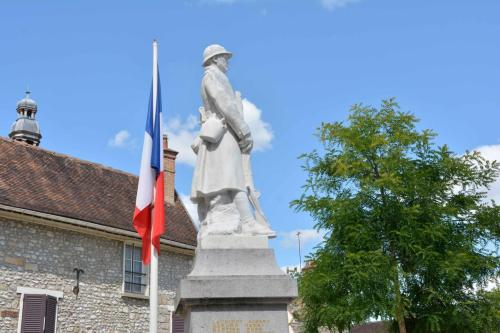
x=256, y=326
x=226, y=326
x=240, y=326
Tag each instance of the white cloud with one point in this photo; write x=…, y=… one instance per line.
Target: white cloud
x=192, y=209
x=492, y=152
x=121, y=139
x=262, y=132
x=334, y=4
x=181, y=134
x=307, y=237
x=492, y=284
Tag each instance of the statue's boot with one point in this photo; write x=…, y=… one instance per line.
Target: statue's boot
x=253, y=228
x=248, y=223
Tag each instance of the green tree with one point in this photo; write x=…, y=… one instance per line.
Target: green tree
x=409, y=238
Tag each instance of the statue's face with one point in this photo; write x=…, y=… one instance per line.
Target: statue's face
x=222, y=62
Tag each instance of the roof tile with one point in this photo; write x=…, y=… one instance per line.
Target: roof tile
x=44, y=181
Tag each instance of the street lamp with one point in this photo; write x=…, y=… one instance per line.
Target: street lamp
x=300, y=254
x=76, y=289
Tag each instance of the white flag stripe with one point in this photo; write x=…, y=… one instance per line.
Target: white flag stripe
x=146, y=176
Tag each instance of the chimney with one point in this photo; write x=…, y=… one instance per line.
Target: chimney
x=169, y=156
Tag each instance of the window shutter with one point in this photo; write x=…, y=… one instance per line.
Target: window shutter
x=177, y=323
x=50, y=315
x=33, y=313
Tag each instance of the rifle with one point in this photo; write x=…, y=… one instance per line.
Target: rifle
x=253, y=195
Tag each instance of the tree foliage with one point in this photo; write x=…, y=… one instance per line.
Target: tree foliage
x=410, y=236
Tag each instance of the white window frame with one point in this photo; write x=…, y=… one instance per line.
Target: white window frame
x=171, y=309
x=36, y=291
x=145, y=269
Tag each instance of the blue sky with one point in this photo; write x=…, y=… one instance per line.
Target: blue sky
x=297, y=63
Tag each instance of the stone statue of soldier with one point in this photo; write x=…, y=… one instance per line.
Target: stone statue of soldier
x=222, y=181
x=235, y=274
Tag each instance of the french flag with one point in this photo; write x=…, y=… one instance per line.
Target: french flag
x=149, y=214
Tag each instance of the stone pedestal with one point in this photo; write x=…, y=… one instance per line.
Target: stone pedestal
x=235, y=286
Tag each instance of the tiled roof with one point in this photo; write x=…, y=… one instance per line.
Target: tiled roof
x=373, y=327
x=40, y=180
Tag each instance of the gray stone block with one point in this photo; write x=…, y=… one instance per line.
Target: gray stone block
x=235, y=290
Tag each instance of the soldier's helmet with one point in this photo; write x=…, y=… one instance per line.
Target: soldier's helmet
x=214, y=50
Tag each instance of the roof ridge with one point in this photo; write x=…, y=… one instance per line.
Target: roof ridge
x=75, y=159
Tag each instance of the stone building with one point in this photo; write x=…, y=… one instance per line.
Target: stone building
x=60, y=216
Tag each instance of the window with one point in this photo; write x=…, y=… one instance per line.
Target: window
x=38, y=313
x=38, y=310
x=177, y=323
x=135, y=275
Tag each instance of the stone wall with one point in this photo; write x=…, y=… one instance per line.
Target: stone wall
x=42, y=257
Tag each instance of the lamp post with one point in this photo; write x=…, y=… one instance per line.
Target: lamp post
x=300, y=254
x=76, y=289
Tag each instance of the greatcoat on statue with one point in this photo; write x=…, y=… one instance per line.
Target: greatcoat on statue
x=219, y=165
x=222, y=180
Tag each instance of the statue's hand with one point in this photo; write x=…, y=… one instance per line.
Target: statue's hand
x=246, y=144
x=196, y=145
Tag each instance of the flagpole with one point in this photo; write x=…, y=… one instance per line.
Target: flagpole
x=153, y=283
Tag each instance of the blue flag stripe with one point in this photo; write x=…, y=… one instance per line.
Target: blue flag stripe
x=149, y=119
x=156, y=153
